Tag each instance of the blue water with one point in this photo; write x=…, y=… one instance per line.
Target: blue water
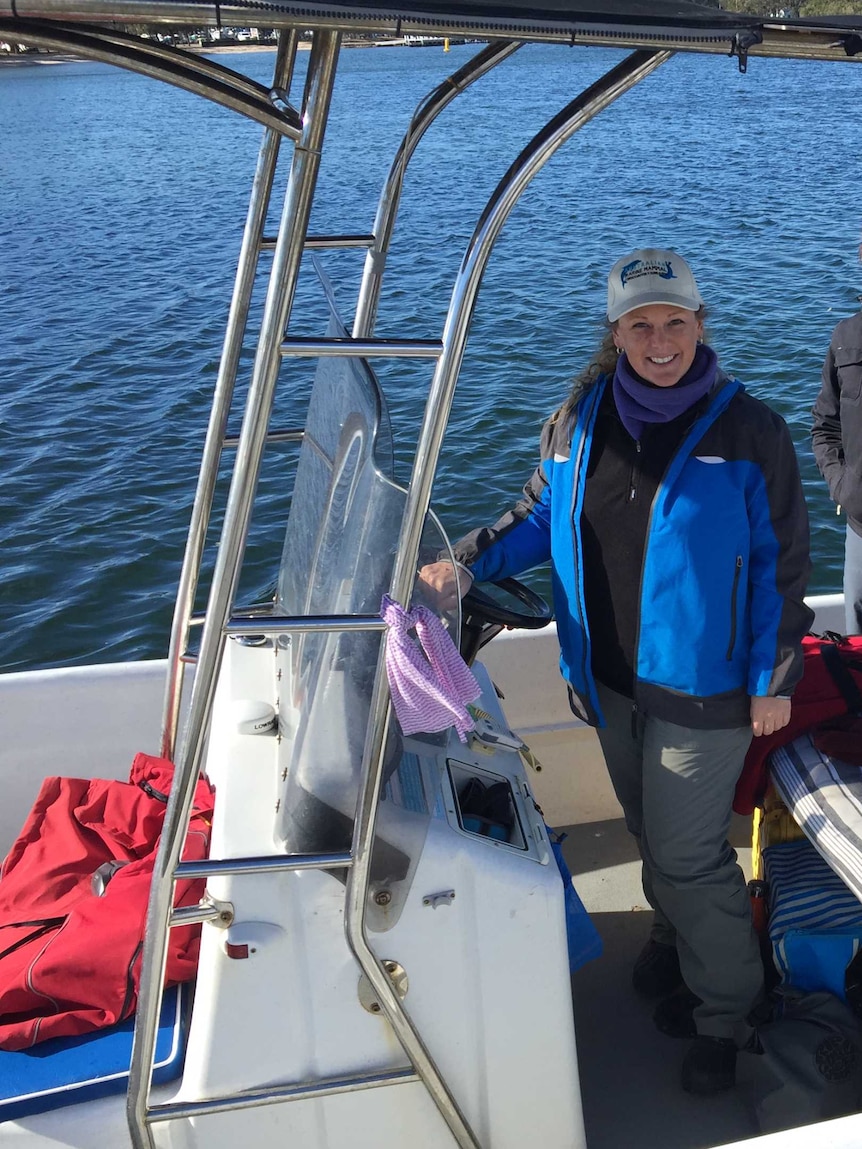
x=123, y=205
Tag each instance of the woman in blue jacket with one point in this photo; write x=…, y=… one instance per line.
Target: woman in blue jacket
x=670, y=505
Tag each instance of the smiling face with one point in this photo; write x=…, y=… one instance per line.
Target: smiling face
x=660, y=342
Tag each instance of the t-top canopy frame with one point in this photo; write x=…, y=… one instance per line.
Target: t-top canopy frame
x=676, y=26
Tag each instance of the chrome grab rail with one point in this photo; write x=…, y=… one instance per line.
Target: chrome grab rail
x=387, y=209
x=364, y=348
x=578, y=112
x=266, y=864
x=239, y=627
x=264, y=178
x=274, y=1094
x=279, y=298
x=194, y=915
x=325, y=242
x=160, y=62
x=285, y=436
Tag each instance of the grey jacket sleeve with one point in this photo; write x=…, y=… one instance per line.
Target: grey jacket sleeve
x=783, y=575
x=837, y=429
x=826, y=430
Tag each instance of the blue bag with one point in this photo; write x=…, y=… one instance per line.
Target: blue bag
x=814, y=960
x=815, y=921
x=582, y=936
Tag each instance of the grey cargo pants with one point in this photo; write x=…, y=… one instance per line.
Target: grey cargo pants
x=676, y=785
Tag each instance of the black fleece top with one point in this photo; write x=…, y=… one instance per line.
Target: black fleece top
x=622, y=478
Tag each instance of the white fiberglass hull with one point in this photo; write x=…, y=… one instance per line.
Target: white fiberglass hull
x=487, y=978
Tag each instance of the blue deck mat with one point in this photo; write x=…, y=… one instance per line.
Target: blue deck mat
x=68, y=1070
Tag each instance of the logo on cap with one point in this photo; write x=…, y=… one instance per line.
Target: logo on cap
x=641, y=267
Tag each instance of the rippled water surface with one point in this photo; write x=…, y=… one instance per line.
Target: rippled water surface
x=123, y=205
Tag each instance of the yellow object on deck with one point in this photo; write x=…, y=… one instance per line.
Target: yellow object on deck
x=771, y=824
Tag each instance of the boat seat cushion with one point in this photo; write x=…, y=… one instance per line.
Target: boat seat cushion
x=824, y=795
x=68, y=1070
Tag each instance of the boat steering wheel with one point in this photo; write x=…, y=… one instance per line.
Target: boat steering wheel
x=488, y=607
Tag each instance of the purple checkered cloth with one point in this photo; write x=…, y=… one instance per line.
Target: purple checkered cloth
x=430, y=686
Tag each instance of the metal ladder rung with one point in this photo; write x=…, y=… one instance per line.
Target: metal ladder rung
x=265, y=864
x=245, y=612
x=254, y=624
x=365, y=348
x=324, y=242
x=202, y=912
x=287, y=435
x=270, y=625
x=254, y=1098
x=211, y=910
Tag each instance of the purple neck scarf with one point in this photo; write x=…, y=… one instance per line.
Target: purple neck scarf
x=639, y=403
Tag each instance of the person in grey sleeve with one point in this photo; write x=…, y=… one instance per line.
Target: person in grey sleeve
x=837, y=441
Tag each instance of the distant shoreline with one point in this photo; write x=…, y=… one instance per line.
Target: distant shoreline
x=22, y=59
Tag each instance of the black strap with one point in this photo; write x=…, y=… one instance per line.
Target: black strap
x=45, y=926
x=842, y=677
x=152, y=792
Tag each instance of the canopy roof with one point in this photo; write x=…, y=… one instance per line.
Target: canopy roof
x=625, y=23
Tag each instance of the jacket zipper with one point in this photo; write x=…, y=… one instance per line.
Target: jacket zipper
x=736, y=577
x=633, y=481
x=633, y=494
x=586, y=669
x=658, y=491
x=640, y=600
x=130, y=983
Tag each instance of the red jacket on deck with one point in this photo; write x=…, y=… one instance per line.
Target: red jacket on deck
x=73, y=903
x=816, y=699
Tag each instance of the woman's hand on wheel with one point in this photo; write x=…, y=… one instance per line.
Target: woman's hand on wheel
x=445, y=583
x=769, y=715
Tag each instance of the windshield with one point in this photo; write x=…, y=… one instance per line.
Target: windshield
x=338, y=555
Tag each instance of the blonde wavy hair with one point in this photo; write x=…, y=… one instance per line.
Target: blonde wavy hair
x=604, y=362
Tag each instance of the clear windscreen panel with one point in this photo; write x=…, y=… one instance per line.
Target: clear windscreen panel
x=339, y=550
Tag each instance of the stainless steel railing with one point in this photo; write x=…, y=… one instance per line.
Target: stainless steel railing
x=282, y=286
x=231, y=350
x=219, y=623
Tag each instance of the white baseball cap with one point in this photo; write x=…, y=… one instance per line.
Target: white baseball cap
x=651, y=275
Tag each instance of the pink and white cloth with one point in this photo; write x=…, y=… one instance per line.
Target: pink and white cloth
x=430, y=682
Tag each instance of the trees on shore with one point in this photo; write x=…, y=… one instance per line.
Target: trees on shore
x=796, y=9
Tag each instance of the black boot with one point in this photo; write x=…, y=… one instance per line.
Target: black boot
x=709, y=1065
x=656, y=970
x=674, y=1015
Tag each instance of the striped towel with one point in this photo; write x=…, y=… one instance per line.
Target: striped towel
x=430, y=686
x=824, y=795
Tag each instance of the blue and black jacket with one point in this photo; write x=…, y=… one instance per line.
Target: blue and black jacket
x=720, y=610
